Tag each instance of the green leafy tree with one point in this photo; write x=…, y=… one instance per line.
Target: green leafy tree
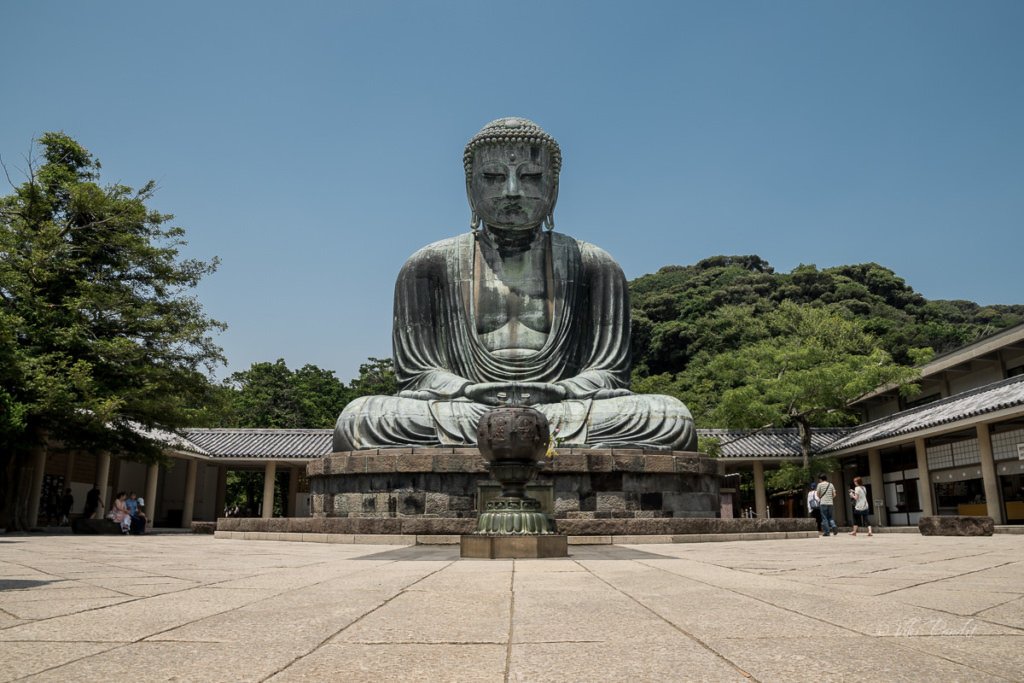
x=376, y=378
x=710, y=446
x=811, y=362
x=271, y=395
x=790, y=477
x=98, y=330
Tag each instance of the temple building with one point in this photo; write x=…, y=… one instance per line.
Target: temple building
x=956, y=448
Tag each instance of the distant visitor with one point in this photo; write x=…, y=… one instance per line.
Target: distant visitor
x=513, y=313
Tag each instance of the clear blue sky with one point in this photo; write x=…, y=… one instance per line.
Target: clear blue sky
x=313, y=146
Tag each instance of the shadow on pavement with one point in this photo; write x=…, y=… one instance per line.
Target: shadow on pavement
x=19, y=584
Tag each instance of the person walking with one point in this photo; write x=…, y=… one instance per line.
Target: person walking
x=67, y=501
x=827, y=496
x=859, y=496
x=93, y=502
x=813, y=506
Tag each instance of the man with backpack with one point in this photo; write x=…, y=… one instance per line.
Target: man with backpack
x=826, y=496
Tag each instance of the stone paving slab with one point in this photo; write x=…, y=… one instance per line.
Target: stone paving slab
x=38, y=607
x=462, y=662
x=845, y=658
x=896, y=607
x=1009, y=614
x=28, y=658
x=662, y=659
x=166, y=661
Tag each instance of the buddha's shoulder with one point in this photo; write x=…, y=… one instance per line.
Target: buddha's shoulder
x=439, y=252
x=589, y=253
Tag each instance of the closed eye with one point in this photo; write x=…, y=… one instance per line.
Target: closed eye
x=494, y=177
x=532, y=176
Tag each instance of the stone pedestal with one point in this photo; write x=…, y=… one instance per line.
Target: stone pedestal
x=585, y=484
x=479, y=546
x=413, y=526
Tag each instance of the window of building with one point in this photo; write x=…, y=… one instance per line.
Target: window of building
x=1004, y=444
x=1012, y=487
x=953, y=450
x=961, y=497
x=899, y=458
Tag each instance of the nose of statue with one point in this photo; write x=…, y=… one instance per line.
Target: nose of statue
x=512, y=186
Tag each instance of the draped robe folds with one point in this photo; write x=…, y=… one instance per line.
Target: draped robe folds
x=438, y=353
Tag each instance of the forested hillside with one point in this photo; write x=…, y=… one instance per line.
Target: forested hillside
x=723, y=335
x=685, y=316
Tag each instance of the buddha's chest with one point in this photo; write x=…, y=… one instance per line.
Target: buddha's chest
x=512, y=300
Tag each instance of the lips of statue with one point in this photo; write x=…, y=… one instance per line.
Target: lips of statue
x=513, y=186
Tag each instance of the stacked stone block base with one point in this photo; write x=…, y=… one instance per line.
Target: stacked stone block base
x=412, y=527
x=575, y=484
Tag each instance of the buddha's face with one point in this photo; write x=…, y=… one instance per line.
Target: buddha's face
x=513, y=186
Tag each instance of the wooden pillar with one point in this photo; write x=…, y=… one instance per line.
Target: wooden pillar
x=222, y=491
x=69, y=470
x=760, y=498
x=842, y=498
x=924, y=478
x=188, y=509
x=270, y=472
x=36, y=490
x=102, y=481
x=293, y=489
x=988, y=475
x=115, y=478
x=152, y=475
x=877, y=487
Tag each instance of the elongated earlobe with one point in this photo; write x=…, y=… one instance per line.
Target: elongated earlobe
x=549, y=220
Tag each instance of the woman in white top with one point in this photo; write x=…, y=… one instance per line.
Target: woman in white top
x=859, y=496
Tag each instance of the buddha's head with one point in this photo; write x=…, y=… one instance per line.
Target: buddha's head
x=512, y=169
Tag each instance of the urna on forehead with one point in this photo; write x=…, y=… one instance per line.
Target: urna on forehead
x=512, y=130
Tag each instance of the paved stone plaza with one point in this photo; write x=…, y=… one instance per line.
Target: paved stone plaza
x=182, y=607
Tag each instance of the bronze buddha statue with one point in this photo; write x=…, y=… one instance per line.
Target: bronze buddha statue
x=513, y=313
